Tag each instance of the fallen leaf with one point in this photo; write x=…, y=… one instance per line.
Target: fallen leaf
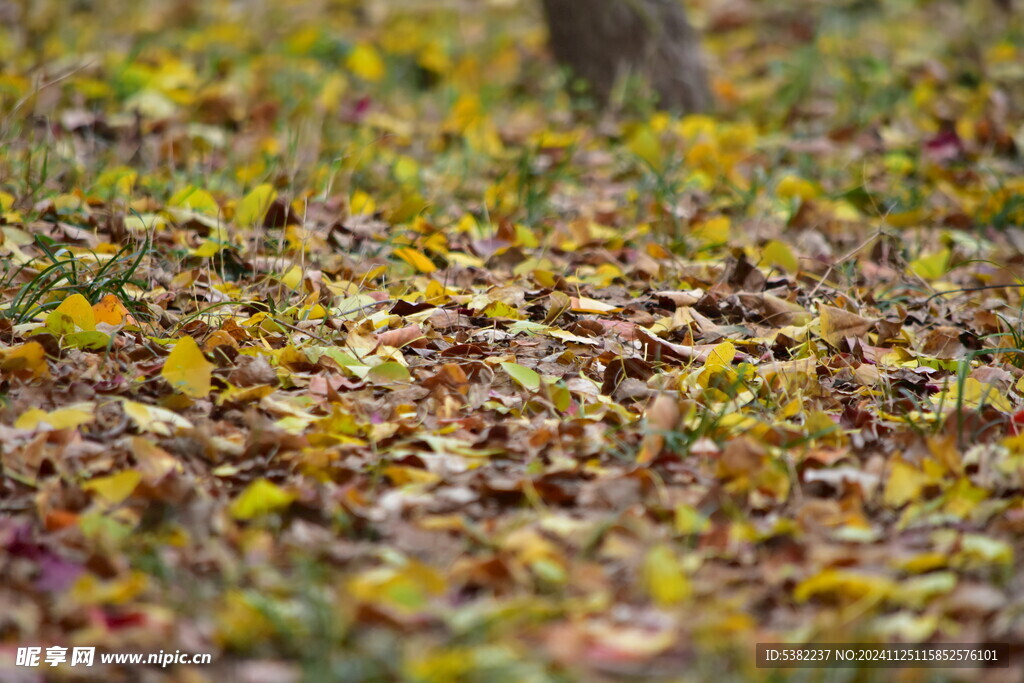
x=837, y=324
x=259, y=498
x=525, y=377
x=187, y=370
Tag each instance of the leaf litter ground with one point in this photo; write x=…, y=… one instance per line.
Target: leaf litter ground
x=339, y=343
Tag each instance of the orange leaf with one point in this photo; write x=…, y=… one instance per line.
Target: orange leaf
x=109, y=310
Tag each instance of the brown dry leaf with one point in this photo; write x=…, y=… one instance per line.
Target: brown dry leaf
x=400, y=337
x=838, y=324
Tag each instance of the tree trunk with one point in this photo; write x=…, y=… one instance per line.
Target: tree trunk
x=603, y=40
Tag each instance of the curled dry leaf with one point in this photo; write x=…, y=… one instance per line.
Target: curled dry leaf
x=400, y=337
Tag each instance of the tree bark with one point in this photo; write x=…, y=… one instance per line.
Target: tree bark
x=603, y=40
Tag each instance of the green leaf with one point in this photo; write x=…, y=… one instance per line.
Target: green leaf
x=526, y=377
x=388, y=373
x=93, y=340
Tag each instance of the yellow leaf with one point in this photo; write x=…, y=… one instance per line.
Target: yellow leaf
x=466, y=111
x=401, y=475
x=964, y=497
x=971, y=394
x=364, y=61
x=721, y=355
x=114, y=488
x=416, y=259
x=119, y=178
x=792, y=187
x=78, y=308
x=187, y=370
x=27, y=360
x=713, y=231
x=293, y=278
x=332, y=91
x=62, y=418
x=645, y=144
x=664, y=578
x=689, y=520
x=154, y=418
x=978, y=550
x=904, y=485
x=779, y=255
x=89, y=590
x=932, y=266
x=259, y=498
x=195, y=199
x=240, y=623
x=389, y=373
x=847, y=585
x=208, y=249
x=361, y=204
x=406, y=589
x=254, y=206
x=406, y=171
x=906, y=219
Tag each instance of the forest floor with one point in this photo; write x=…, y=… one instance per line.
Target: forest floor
x=341, y=344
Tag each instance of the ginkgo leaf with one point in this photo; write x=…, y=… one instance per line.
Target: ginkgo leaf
x=293, y=278
x=664, y=578
x=260, y=498
x=27, y=360
x=187, y=370
x=254, y=206
x=793, y=187
x=115, y=488
x=416, y=259
x=109, y=310
x=778, y=254
x=154, y=418
x=364, y=61
x=721, y=355
x=932, y=266
x=904, y=485
x=78, y=308
x=713, y=231
x=195, y=199
x=62, y=418
x=644, y=144
x=847, y=585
